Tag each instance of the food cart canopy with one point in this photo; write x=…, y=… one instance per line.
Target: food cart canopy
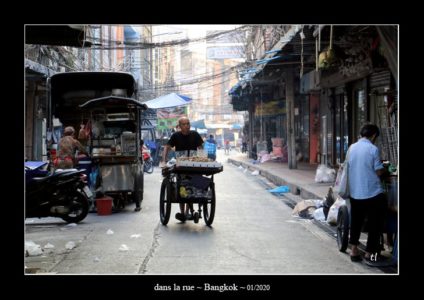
x=170, y=100
x=200, y=124
x=112, y=101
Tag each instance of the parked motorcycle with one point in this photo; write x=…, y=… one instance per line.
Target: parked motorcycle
x=147, y=160
x=63, y=194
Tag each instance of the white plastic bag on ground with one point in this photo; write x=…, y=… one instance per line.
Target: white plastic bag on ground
x=32, y=249
x=123, y=248
x=325, y=174
x=319, y=214
x=334, y=210
x=70, y=245
x=48, y=246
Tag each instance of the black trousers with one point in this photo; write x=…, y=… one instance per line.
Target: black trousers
x=374, y=211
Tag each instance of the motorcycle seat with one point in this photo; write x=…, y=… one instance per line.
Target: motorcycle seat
x=67, y=172
x=40, y=179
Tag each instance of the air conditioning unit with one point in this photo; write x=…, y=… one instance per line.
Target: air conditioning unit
x=309, y=82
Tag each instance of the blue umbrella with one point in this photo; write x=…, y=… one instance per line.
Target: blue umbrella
x=170, y=100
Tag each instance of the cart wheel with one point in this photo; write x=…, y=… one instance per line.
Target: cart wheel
x=165, y=201
x=343, y=224
x=196, y=217
x=209, y=206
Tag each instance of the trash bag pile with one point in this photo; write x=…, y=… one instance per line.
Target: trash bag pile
x=324, y=210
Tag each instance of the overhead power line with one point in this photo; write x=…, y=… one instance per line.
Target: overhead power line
x=114, y=44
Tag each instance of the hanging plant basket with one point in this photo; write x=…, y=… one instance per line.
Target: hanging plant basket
x=326, y=58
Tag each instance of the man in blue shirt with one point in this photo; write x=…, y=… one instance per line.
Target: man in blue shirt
x=367, y=196
x=210, y=147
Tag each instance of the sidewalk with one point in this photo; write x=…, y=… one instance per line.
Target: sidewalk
x=301, y=181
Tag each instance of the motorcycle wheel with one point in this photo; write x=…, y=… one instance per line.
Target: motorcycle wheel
x=148, y=166
x=78, y=208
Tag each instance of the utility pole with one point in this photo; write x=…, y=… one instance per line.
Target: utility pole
x=291, y=143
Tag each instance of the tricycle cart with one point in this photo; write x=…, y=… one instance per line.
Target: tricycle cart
x=189, y=182
x=343, y=218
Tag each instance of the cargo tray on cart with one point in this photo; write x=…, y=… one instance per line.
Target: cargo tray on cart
x=204, y=168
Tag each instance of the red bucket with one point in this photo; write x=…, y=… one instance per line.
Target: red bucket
x=104, y=206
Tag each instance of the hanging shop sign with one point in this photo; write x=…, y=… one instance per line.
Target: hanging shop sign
x=168, y=117
x=270, y=108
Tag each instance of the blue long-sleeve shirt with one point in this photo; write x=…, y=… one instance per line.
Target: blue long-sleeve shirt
x=364, y=161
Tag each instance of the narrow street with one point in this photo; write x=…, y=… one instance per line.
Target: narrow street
x=253, y=233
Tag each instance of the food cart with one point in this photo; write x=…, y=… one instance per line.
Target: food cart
x=114, y=145
x=189, y=180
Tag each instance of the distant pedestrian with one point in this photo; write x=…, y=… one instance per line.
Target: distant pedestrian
x=243, y=145
x=227, y=147
x=210, y=147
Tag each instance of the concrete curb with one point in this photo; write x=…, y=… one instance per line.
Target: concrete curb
x=295, y=188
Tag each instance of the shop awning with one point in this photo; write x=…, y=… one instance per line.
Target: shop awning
x=269, y=57
x=170, y=100
x=34, y=69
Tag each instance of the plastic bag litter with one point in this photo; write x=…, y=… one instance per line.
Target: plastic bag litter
x=325, y=174
x=70, y=245
x=124, y=248
x=109, y=231
x=319, y=214
x=305, y=209
x=32, y=249
x=334, y=210
x=135, y=236
x=318, y=202
x=256, y=172
x=280, y=189
x=48, y=246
